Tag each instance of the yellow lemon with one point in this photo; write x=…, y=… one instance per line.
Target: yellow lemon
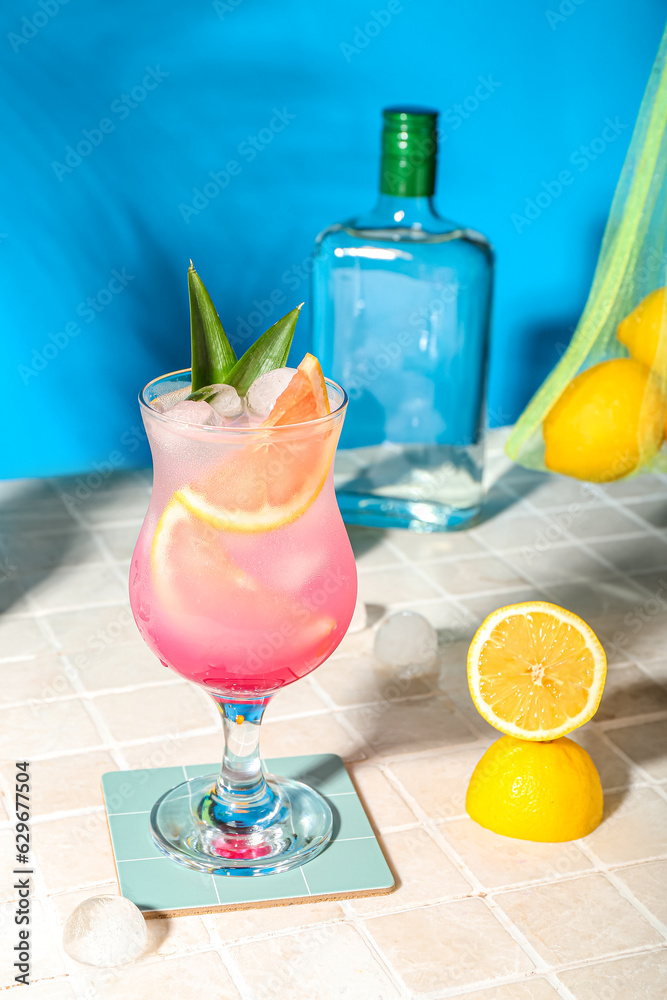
x=641, y=330
x=609, y=421
x=536, y=791
x=536, y=671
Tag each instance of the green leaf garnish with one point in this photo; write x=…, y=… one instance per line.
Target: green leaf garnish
x=267, y=353
x=213, y=357
x=207, y=392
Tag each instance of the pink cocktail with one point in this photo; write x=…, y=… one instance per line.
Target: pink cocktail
x=242, y=580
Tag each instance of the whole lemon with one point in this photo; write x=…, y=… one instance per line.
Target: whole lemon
x=608, y=421
x=536, y=791
x=640, y=331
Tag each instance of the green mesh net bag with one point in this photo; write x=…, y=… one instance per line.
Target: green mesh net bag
x=600, y=415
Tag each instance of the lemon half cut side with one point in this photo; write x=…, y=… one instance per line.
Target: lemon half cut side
x=536, y=671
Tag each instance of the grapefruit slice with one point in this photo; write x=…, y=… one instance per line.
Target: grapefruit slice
x=305, y=398
x=265, y=485
x=274, y=478
x=536, y=671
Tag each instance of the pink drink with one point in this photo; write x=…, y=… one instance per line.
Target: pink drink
x=243, y=579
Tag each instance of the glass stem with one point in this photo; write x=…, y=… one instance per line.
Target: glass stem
x=242, y=799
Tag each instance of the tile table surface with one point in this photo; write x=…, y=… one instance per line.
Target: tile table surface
x=475, y=914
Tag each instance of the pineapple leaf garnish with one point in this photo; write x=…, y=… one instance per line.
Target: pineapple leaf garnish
x=207, y=392
x=267, y=353
x=213, y=357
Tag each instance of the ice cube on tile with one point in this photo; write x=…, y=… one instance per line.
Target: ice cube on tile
x=404, y=639
x=226, y=401
x=105, y=931
x=264, y=391
x=359, y=618
x=191, y=411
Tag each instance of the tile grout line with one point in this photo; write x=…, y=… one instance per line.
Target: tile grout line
x=451, y=600
x=463, y=611
x=623, y=889
x=610, y=723
x=459, y=863
x=510, y=979
x=488, y=896
x=356, y=921
x=600, y=868
x=229, y=962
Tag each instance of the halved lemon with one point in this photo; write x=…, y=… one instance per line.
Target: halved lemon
x=536, y=671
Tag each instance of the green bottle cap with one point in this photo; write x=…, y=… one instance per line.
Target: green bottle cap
x=409, y=148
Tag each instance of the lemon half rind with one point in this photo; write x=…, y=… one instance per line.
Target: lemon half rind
x=595, y=691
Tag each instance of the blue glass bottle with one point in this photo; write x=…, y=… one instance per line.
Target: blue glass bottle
x=401, y=316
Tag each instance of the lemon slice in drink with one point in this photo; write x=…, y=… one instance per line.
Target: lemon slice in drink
x=536, y=671
x=196, y=578
x=191, y=569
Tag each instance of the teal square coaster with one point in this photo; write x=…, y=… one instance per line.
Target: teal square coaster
x=351, y=865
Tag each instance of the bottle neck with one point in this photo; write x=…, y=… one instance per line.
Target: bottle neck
x=395, y=210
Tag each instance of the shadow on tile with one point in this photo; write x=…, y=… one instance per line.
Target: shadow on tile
x=512, y=486
x=374, y=612
x=36, y=534
x=363, y=539
x=158, y=932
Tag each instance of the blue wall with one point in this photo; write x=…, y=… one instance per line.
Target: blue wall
x=309, y=81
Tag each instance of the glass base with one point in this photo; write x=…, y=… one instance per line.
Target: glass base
x=391, y=512
x=184, y=827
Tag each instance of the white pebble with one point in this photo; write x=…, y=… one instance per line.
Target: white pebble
x=404, y=639
x=105, y=931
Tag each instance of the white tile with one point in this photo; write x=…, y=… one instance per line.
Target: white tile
x=184, y=977
x=556, y=563
x=21, y=637
x=648, y=883
x=645, y=745
x=76, y=587
x=633, y=827
x=596, y=522
x=448, y=945
x=517, y=529
x=434, y=545
x=473, y=575
x=45, y=676
x=498, y=861
x=42, y=727
x=629, y=692
x=324, y=963
x=638, y=977
x=87, y=631
x=395, y=584
x=392, y=728
x=652, y=511
x=557, y=919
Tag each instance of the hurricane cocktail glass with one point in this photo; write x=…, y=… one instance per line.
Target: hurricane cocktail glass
x=243, y=581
